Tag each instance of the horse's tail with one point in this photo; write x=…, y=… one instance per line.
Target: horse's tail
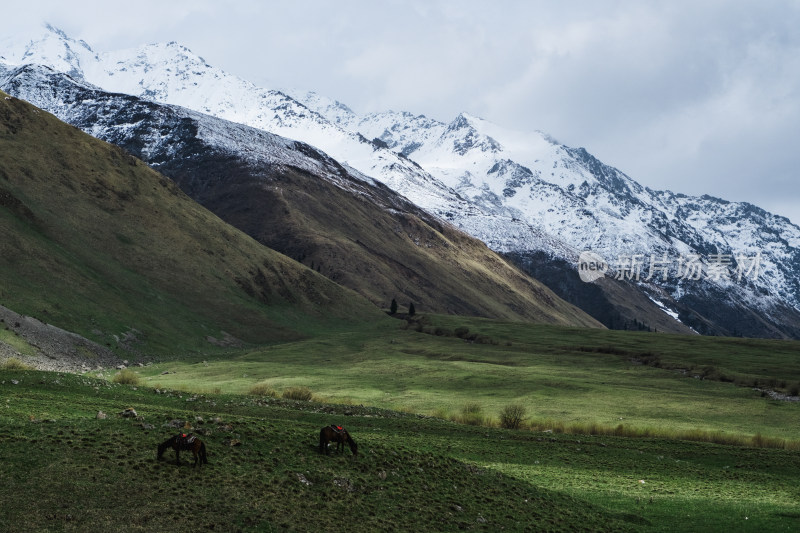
x=203, y=458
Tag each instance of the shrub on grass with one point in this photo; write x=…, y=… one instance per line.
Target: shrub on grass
x=262, y=389
x=472, y=414
x=298, y=393
x=462, y=332
x=126, y=377
x=14, y=364
x=441, y=413
x=512, y=416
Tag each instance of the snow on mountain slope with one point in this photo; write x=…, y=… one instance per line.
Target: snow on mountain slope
x=516, y=191
x=280, y=192
x=52, y=48
x=592, y=206
x=170, y=73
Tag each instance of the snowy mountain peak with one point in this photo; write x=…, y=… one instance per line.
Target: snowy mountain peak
x=463, y=135
x=332, y=110
x=52, y=47
x=518, y=191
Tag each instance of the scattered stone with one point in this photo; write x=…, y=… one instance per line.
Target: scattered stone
x=101, y=415
x=121, y=367
x=302, y=479
x=457, y=508
x=14, y=382
x=174, y=424
x=129, y=412
x=234, y=442
x=344, y=483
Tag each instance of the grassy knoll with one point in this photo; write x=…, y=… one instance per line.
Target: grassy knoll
x=99, y=244
x=65, y=469
x=587, y=380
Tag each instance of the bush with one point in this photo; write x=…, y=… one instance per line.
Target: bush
x=262, y=389
x=471, y=408
x=14, y=364
x=298, y=393
x=472, y=414
x=126, y=377
x=511, y=416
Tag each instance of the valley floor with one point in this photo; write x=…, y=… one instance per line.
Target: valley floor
x=63, y=468
x=622, y=431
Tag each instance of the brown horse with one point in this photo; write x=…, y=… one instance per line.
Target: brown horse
x=336, y=434
x=184, y=442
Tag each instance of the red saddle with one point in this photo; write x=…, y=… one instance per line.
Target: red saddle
x=186, y=438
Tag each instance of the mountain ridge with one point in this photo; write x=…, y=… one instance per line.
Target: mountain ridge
x=99, y=244
x=520, y=193
x=279, y=191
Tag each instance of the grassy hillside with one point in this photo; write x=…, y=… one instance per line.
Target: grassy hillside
x=371, y=241
x=65, y=469
x=300, y=202
x=96, y=242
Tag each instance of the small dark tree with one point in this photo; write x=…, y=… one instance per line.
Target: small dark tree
x=411, y=310
x=512, y=416
x=393, y=307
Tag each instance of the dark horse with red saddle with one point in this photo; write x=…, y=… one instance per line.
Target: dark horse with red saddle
x=336, y=434
x=184, y=442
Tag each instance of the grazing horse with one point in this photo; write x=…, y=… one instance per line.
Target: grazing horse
x=336, y=434
x=185, y=442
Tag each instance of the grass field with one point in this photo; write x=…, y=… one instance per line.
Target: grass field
x=65, y=469
x=625, y=431
x=568, y=379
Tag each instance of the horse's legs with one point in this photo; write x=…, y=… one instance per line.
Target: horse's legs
x=177, y=457
x=323, y=443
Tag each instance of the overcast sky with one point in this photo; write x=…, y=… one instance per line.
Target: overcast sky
x=697, y=97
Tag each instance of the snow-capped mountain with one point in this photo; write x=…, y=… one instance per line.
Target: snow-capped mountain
x=290, y=196
x=592, y=206
x=170, y=73
x=520, y=192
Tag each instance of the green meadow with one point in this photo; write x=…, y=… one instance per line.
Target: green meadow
x=568, y=379
x=65, y=469
x=622, y=432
